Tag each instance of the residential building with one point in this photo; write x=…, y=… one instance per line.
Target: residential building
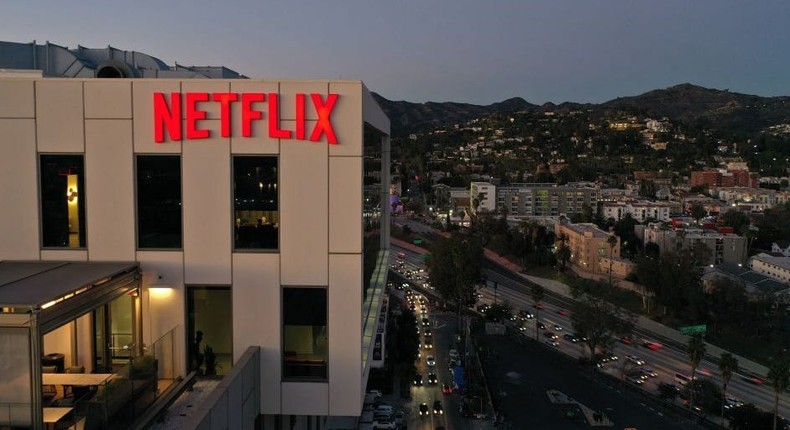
x=232, y=214
x=522, y=200
x=723, y=247
x=588, y=244
x=483, y=196
x=641, y=210
x=774, y=267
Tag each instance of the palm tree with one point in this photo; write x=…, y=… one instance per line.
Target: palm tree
x=537, y=296
x=612, y=241
x=779, y=374
x=728, y=365
x=696, y=351
x=563, y=252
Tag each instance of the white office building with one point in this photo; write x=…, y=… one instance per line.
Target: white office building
x=226, y=220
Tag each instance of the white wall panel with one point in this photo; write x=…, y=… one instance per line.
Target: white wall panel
x=345, y=334
x=17, y=99
x=345, y=204
x=288, y=91
x=64, y=255
x=372, y=112
x=211, y=107
x=108, y=99
x=59, y=116
x=143, y=109
x=207, y=210
x=257, y=321
x=19, y=225
x=109, y=176
x=260, y=142
x=164, y=310
x=303, y=210
x=347, y=118
x=305, y=398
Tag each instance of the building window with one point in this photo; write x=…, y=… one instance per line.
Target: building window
x=255, y=202
x=63, y=201
x=159, y=201
x=210, y=329
x=305, y=346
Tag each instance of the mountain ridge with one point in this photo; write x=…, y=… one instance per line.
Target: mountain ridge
x=688, y=103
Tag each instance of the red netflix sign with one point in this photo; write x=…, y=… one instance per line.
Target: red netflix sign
x=254, y=107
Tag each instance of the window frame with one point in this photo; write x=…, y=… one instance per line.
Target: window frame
x=283, y=376
x=81, y=195
x=137, y=201
x=234, y=248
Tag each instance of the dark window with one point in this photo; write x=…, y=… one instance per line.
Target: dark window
x=305, y=346
x=210, y=330
x=63, y=201
x=255, y=202
x=158, y=201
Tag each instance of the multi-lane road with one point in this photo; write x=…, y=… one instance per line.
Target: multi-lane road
x=667, y=361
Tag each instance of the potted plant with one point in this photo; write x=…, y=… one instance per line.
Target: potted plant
x=210, y=360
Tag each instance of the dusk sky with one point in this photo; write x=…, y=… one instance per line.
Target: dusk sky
x=465, y=51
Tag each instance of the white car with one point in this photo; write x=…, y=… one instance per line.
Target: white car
x=636, y=360
x=384, y=425
x=430, y=361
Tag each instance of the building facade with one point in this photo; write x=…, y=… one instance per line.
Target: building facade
x=253, y=209
x=588, y=245
x=546, y=199
x=722, y=247
x=777, y=268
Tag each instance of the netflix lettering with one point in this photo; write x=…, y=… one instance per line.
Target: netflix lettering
x=254, y=107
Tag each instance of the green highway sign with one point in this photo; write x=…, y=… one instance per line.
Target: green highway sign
x=694, y=329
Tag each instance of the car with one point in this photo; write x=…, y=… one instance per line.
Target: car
x=432, y=379
x=430, y=361
x=552, y=342
x=423, y=409
x=447, y=389
x=539, y=306
x=754, y=380
x=564, y=312
x=570, y=337
x=628, y=340
x=418, y=380
x=375, y=393
x=384, y=425
x=428, y=342
x=426, y=331
x=541, y=325
x=437, y=408
x=635, y=378
x=401, y=255
x=400, y=418
x=384, y=409
x=483, y=308
x=732, y=402
x=634, y=359
x=426, y=322
x=525, y=315
x=649, y=371
x=655, y=346
x=557, y=327
x=551, y=335
x=453, y=353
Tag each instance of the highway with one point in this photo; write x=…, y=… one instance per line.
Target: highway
x=667, y=361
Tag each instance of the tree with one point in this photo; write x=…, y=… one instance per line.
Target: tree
x=749, y=417
x=563, y=251
x=779, y=374
x=698, y=212
x=600, y=322
x=455, y=268
x=612, y=241
x=728, y=365
x=738, y=220
x=537, y=296
x=696, y=351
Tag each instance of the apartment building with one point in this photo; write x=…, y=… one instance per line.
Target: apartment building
x=588, y=244
x=541, y=199
x=723, y=247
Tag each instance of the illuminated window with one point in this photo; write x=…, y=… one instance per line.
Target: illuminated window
x=62, y=201
x=158, y=201
x=305, y=338
x=256, y=212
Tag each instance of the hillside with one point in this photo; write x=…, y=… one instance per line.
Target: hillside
x=686, y=103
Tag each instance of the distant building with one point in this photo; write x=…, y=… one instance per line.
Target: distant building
x=547, y=199
x=724, y=178
x=483, y=196
x=641, y=210
x=757, y=286
x=723, y=247
x=588, y=245
x=777, y=268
